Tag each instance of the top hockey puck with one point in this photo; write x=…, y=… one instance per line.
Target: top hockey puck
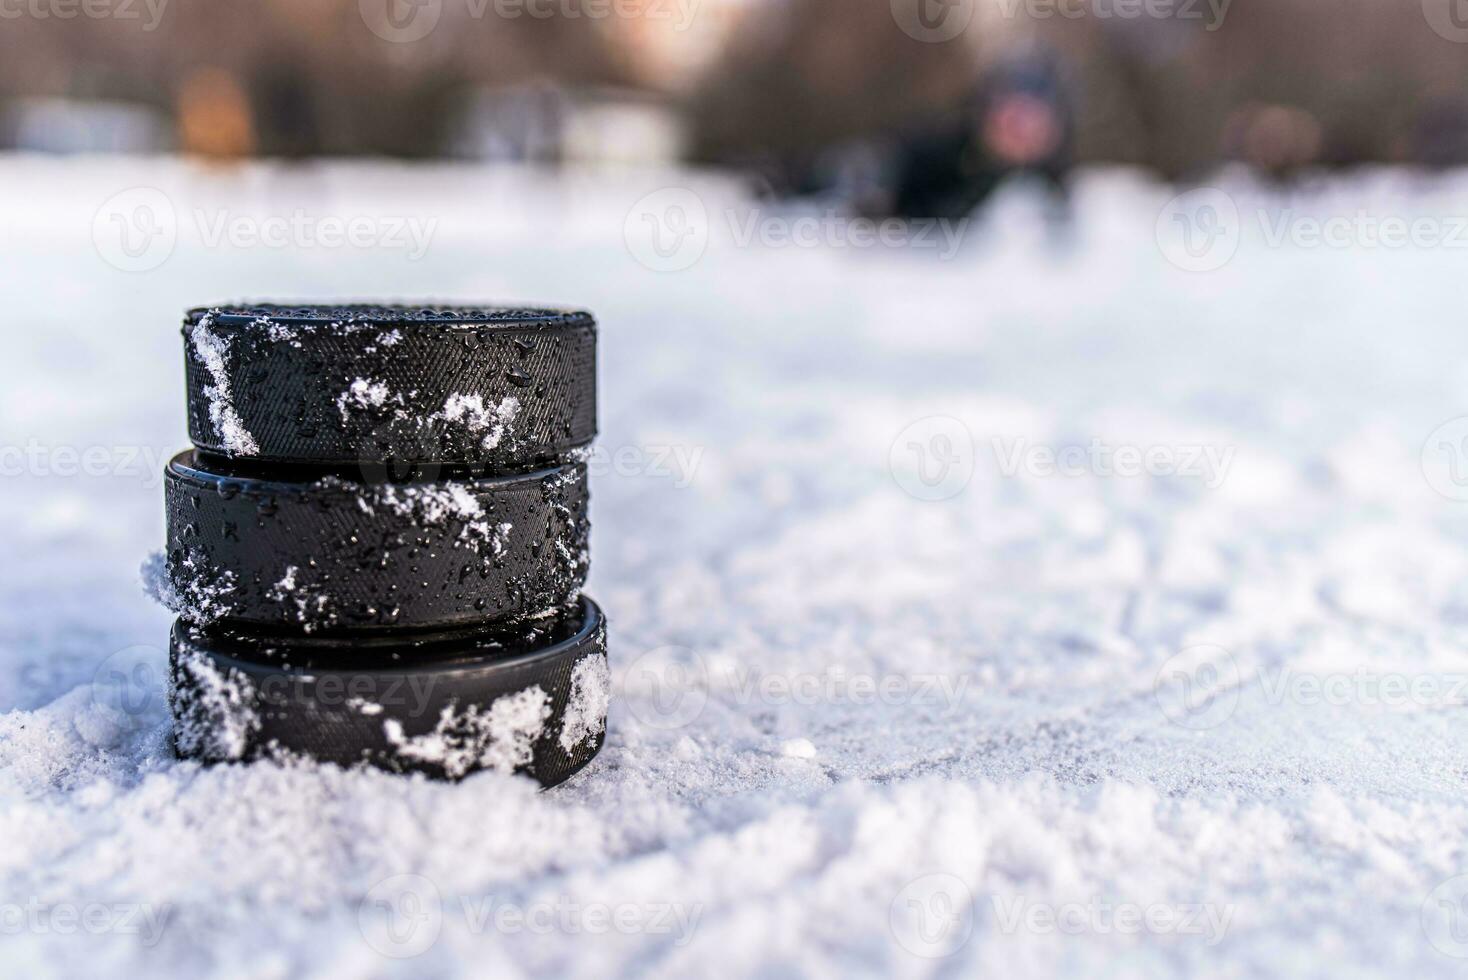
x=496, y=388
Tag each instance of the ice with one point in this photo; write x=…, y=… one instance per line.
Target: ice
x=975, y=674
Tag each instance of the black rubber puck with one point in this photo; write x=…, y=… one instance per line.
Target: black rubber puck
x=532, y=702
x=500, y=389
x=332, y=554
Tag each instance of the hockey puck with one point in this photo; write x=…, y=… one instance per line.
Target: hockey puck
x=500, y=389
x=532, y=702
x=332, y=554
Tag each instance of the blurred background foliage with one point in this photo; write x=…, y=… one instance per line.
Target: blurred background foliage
x=808, y=96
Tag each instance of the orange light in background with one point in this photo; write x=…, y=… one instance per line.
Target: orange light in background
x=667, y=46
x=214, y=116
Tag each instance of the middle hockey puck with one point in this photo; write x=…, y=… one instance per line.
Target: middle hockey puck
x=330, y=554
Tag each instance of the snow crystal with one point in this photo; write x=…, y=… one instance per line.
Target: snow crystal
x=500, y=739
x=213, y=351
x=586, y=709
x=364, y=707
x=361, y=394
x=798, y=748
x=219, y=714
x=192, y=589
x=309, y=606
x=432, y=504
x=286, y=584
x=471, y=411
x=277, y=332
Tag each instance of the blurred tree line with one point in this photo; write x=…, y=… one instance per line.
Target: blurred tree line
x=778, y=83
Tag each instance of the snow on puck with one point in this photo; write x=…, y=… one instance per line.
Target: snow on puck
x=329, y=554
x=500, y=389
x=510, y=700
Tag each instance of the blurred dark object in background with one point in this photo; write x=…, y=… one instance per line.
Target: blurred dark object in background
x=1439, y=138
x=1279, y=141
x=1018, y=120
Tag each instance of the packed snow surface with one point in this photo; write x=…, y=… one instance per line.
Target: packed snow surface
x=1058, y=607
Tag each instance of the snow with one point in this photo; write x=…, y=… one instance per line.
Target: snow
x=473, y=414
x=586, y=707
x=361, y=394
x=887, y=696
x=213, y=353
x=500, y=737
x=224, y=720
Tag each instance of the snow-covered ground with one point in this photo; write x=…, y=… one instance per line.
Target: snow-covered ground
x=1206, y=719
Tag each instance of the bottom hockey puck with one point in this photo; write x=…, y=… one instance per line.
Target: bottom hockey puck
x=443, y=704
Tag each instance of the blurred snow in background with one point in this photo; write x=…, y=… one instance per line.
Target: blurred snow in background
x=855, y=731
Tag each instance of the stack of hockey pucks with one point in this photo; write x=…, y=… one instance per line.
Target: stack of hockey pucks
x=377, y=546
